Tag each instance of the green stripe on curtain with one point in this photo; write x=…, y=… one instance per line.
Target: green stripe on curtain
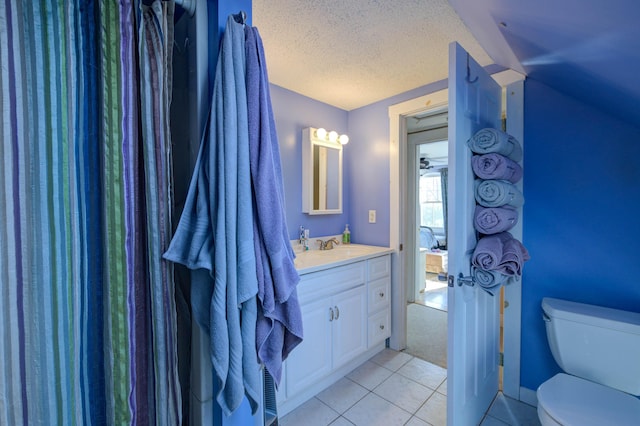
x=117, y=362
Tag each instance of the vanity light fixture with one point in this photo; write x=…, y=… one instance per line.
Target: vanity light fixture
x=321, y=133
x=331, y=136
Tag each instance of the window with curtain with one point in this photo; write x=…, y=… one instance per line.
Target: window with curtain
x=431, y=207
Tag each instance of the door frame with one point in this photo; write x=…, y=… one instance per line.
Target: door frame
x=411, y=219
x=403, y=263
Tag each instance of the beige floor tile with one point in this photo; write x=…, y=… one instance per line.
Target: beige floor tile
x=312, y=413
x=391, y=359
x=369, y=375
x=341, y=421
x=442, y=388
x=415, y=421
x=342, y=395
x=434, y=411
x=375, y=411
x=423, y=372
x=403, y=392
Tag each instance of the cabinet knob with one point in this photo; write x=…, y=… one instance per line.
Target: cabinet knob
x=381, y=326
x=337, y=312
x=330, y=314
x=381, y=294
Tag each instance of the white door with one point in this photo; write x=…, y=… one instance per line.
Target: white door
x=473, y=316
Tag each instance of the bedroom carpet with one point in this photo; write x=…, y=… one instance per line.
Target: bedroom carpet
x=427, y=333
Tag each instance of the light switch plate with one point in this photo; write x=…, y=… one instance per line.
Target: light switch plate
x=372, y=216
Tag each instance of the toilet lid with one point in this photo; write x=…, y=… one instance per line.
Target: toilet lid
x=570, y=400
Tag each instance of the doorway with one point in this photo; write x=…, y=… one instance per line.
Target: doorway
x=426, y=168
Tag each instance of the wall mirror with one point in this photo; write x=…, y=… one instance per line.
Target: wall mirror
x=321, y=173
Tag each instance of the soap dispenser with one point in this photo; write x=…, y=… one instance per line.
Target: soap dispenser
x=346, y=235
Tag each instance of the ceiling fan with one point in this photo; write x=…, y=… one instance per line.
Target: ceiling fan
x=424, y=165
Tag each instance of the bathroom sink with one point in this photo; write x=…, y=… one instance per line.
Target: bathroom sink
x=352, y=250
x=310, y=260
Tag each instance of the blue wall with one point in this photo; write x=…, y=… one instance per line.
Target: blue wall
x=582, y=191
x=366, y=161
x=581, y=186
x=293, y=113
x=369, y=168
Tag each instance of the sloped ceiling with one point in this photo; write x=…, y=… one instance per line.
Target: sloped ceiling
x=353, y=53
x=589, y=49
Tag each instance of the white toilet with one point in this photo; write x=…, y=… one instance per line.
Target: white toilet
x=599, y=348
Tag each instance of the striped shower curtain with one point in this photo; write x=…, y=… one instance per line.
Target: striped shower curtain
x=87, y=312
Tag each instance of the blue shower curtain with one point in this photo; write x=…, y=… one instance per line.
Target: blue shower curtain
x=88, y=321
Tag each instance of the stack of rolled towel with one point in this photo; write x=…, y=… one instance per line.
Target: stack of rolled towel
x=496, y=259
x=498, y=256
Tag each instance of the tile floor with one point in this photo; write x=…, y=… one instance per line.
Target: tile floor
x=395, y=388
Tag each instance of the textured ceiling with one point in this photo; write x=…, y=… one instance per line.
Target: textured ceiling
x=352, y=53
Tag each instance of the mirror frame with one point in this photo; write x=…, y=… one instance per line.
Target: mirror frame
x=309, y=141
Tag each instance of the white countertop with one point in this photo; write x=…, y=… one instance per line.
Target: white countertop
x=342, y=254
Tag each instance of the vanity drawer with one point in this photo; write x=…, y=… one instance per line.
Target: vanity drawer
x=378, y=296
x=379, y=267
x=379, y=328
x=330, y=281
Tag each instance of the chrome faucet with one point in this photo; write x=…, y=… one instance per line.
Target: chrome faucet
x=328, y=244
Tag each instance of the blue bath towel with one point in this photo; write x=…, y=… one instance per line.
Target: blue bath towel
x=489, y=140
x=489, y=251
x=492, y=220
x=497, y=193
x=496, y=166
x=279, y=325
x=513, y=257
x=216, y=233
x=501, y=253
x=490, y=281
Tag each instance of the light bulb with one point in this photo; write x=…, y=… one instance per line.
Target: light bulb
x=343, y=139
x=333, y=136
x=321, y=133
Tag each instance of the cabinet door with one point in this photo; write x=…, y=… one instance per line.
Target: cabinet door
x=350, y=328
x=311, y=360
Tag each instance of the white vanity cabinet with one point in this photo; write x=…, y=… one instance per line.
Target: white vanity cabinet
x=345, y=313
x=333, y=304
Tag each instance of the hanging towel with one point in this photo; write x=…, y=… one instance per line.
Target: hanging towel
x=496, y=166
x=490, y=140
x=490, y=281
x=492, y=220
x=279, y=324
x=215, y=233
x=496, y=193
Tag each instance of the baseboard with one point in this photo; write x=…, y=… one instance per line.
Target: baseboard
x=528, y=396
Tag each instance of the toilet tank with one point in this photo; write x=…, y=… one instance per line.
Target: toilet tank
x=596, y=343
